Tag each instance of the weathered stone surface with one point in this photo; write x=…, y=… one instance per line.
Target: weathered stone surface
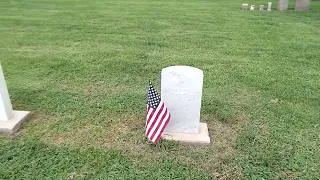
x=283, y=5
x=302, y=5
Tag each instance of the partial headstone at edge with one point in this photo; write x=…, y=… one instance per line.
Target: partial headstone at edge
x=10, y=120
x=6, y=111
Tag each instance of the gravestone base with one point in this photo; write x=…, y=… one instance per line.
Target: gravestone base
x=13, y=124
x=195, y=138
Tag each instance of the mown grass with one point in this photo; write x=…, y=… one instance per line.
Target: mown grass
x=82, y=68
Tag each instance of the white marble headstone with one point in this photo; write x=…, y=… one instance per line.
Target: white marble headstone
x=6, y=111
x=181, y=91
x=269, y=6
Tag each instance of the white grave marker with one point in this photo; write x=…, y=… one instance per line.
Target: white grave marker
x=283, y=5
x=244, y=7
x=181, y=91
x=10, y=120
x=269, y=6
x=6, y=111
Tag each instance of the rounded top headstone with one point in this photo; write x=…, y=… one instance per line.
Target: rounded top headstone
x=181, y=91
x=182, y=73
x=182, y=68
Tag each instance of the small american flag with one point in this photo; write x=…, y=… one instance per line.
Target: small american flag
x=158, y=116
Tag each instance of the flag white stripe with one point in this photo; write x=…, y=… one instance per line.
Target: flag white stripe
x=157, y=122
x=154, y=115
x=160, y=128
x=154, y=118
x=157, y=130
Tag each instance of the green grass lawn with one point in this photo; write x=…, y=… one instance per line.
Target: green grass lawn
x=82, y=67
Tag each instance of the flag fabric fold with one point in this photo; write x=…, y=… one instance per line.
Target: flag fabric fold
x=158, y=116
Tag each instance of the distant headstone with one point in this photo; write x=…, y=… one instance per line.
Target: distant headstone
x=10, y=120
x=181, y=91
x=283, y=5
x=244, y=7
x=269, y=6
x=261, y=7
x=302, y=5
x=252, y=7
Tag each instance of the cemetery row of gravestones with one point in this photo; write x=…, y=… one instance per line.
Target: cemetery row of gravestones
x=252, y=7
x=181, y=91
x=301, y=5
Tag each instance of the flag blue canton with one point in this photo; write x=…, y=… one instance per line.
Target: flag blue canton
x=153, y=97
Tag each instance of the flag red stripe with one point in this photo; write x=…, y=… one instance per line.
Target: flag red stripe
x=148, y=113
x=159, y=124
x=155, y=119
x=159, y=120
x=164, y=127
x=150, y=117
x=152, y=111
x=148, y=108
